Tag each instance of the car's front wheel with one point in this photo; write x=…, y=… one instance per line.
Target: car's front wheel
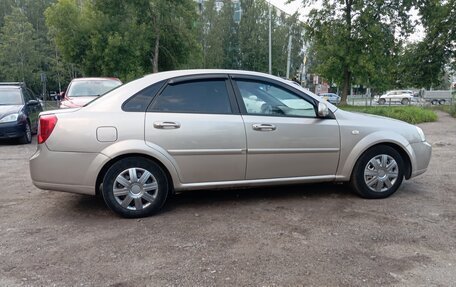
x=378, y=173
x=27, y=137
x=382, y=101
x=135, y=187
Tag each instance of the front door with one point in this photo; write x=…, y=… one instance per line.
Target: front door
x=284, y=135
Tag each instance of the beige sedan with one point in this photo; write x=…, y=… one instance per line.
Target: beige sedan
x=203, y=129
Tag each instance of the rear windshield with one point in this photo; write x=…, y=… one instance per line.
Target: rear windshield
x=10, y=97
x=91, y=88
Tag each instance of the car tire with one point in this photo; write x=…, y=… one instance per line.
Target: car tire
x=378, y=173
x=135, y=187
x=381, y=101
x=405, y=101
x=441, y=102
x=434, y=102
x=27, y=137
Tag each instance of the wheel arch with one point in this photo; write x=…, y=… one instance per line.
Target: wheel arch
x=402, y=152
x=112, y=161
x=399, y=143
x=138, y=148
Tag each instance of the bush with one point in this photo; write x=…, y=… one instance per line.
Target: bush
x=410, y=114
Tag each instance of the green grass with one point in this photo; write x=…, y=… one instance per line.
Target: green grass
x=451, y=109
x=410, y=114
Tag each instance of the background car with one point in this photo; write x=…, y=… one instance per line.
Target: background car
x=80, y=91
x=402, y=96
x=331, y=97
x=204, y=129
x=19, y=109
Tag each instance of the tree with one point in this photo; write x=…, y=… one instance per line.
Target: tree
x=358, y=40
x=123, y=38
x=219, y=36
x=244, y=45
x=437, y=51
x=19, y=57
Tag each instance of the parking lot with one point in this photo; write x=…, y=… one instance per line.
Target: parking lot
x=305, y=235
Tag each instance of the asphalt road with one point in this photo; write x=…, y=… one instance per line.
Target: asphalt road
x=306, y=235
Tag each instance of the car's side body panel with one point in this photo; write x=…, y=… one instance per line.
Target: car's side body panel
x=65, y=138
x=360, y=132
x=298, y=147
x=205, y=147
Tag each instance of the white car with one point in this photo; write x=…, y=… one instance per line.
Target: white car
x=403, y=96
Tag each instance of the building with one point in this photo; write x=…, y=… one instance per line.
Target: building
x=219, y=5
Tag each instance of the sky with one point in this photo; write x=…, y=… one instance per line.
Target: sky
x=290, y=8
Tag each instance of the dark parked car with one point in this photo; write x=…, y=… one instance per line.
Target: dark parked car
x=19, y=109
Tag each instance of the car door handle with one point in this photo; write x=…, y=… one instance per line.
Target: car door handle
x=264, y=127
x=166, y=125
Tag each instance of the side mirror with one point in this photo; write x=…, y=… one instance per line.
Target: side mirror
x=33, y=103
x=323, y=110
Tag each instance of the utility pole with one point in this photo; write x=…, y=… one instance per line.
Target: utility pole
x=289, y=55
x=270, y=42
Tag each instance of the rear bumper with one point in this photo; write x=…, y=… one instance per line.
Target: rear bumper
x=12, y=130
x=66, y=171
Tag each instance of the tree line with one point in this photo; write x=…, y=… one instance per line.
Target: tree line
x=367, y=42
x=347, y=42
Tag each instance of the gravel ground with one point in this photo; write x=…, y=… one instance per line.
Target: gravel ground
x=312, y=235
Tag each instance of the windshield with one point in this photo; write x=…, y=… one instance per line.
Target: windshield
x=91, y=88
x=10, y=97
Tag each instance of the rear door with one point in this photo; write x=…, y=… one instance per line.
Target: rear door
x=196, y=120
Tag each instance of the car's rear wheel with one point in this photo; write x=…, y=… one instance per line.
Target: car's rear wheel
x=434, y=102
x=441, y=102
x=382, y=101
x=378, y=173
x=27, y=137
x=405, y=101
x=135, y=187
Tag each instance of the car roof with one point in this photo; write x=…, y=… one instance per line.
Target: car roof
x=178, y=73
x=16, y=85
x=10, y=87
x=96, y=79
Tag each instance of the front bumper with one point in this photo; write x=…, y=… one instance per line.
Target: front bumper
x=422, y=152
x=12, y=130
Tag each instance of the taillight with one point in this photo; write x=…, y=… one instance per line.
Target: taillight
x=46, y=126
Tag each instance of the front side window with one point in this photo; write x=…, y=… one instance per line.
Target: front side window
x=205, y=97
x=27, y=95
x=262, y=98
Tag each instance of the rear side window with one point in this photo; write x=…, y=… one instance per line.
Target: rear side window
x=205, y=97
x=140, y=101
